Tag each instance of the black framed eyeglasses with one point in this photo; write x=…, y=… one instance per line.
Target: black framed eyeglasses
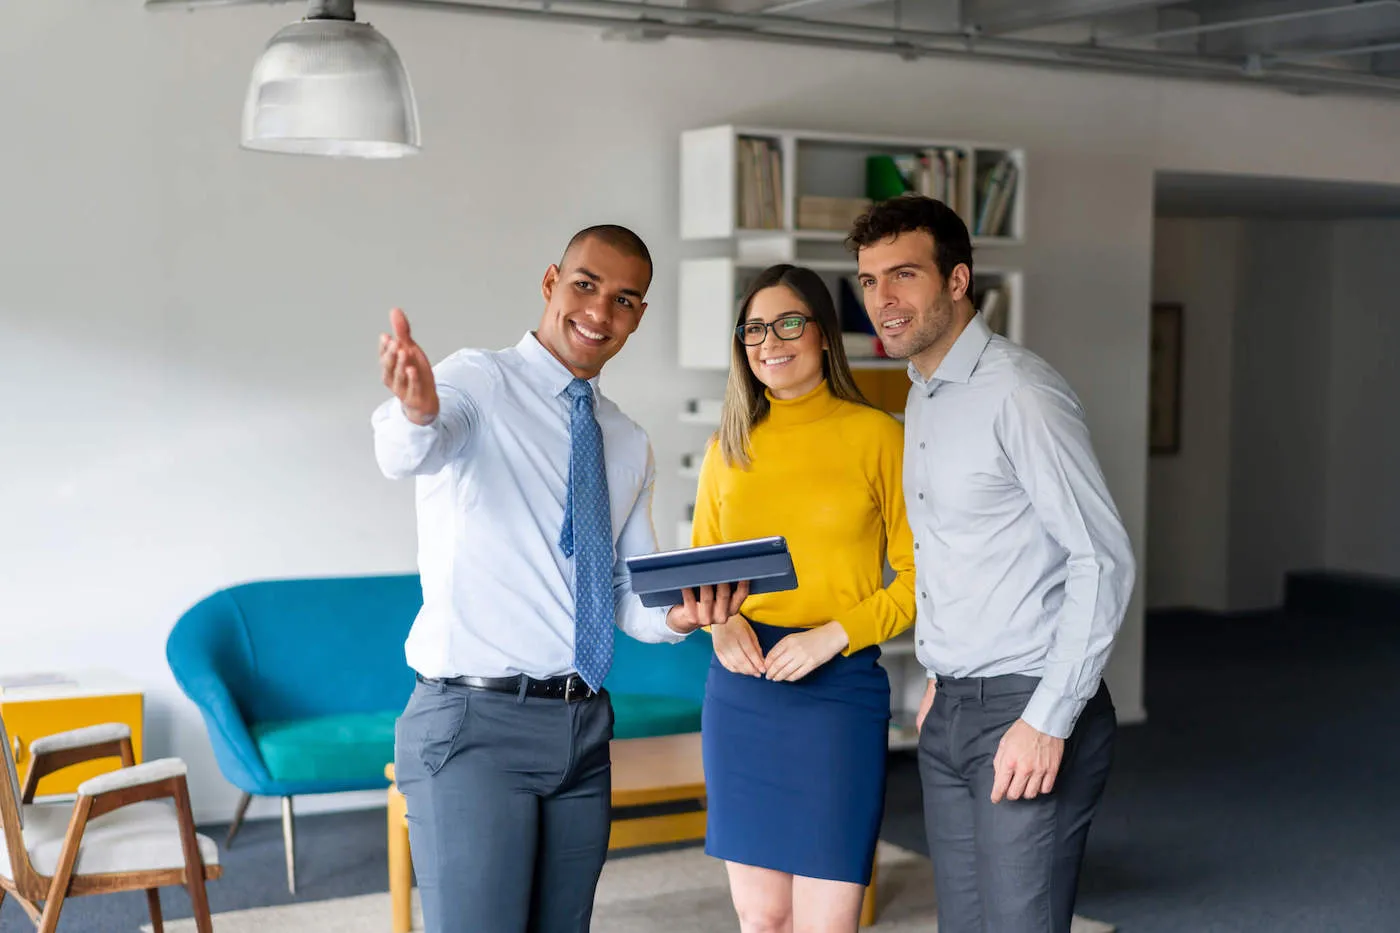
x=787, y=327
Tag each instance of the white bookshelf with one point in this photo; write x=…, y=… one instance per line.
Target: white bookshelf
x=719, y=172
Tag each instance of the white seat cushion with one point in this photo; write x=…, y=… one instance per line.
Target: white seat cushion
x=141, y=836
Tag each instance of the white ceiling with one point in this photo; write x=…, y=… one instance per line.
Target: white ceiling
x=1199, y=195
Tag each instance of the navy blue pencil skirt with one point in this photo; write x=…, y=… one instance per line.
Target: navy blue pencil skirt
x=795, y=772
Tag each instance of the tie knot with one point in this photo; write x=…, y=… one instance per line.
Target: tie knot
x=579, y=389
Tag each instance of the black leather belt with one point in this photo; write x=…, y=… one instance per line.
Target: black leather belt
x=570, y=687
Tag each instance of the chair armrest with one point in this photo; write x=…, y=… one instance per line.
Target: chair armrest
x=151, y=772
x=80, y=738
x=61, y=750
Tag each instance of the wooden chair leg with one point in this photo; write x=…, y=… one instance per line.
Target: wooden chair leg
x=194, y=860
x=400, y=864
x=48, y=920
x=153, y=901
x=63, y=874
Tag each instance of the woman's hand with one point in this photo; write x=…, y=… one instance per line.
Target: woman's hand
x=737, y=648
x=800, y=653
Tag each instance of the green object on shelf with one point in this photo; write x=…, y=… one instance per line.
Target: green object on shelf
x=883, y=179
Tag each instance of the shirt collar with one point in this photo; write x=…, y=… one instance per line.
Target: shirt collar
x=545, y=368
x=962, y=357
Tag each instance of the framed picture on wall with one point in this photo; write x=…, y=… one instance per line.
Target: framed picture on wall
x=1164, y=374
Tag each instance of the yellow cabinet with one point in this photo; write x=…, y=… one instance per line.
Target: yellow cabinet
x=39, y=705
x=885, y=386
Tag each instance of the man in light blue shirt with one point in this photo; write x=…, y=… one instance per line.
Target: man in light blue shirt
x=1023, y=573
x=532, y=490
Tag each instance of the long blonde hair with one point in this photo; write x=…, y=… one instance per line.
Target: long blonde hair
x=745, y=404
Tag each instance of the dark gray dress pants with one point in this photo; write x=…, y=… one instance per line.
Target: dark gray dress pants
x=1010, y=867
x=509, y=807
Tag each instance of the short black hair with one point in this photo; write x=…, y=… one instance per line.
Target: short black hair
x=908, y=213
x=618, y=237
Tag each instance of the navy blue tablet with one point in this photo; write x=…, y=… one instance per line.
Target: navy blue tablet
x=765, y=562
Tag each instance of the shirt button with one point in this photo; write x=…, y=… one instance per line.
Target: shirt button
x=916, y=545
x=921, y=495
x=923, y=595
x=921, y=445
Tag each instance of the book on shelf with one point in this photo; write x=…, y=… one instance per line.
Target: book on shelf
x=992, y=304
x=996, y=189
x=25, y=680
x=937, y=173
x=818, y=212
x=760, y=173
x=862, y=346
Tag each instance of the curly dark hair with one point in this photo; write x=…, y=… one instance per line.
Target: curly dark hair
x=911, y=212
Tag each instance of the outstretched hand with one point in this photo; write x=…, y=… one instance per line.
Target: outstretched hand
x=407, y=372
x=713, y=607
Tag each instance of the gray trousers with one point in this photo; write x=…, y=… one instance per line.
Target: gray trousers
x=1010, y=867
x=509, y=807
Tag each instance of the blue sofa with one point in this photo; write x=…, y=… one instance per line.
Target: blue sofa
x=300, y=681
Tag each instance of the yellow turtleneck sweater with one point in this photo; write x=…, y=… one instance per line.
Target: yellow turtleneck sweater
x=826, y=474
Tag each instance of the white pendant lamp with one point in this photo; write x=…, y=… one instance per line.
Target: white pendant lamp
x=330, y=86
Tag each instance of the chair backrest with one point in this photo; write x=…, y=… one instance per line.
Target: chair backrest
x=11, y=773
x=305, y=647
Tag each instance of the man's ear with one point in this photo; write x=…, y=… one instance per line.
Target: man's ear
x=958, y=280
x=551, y=278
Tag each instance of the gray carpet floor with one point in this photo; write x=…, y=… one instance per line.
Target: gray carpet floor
x=1260, y=796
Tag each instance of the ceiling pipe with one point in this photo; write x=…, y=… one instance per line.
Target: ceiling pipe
x=1312, y=55
x=907, y=43
x=1268, y=19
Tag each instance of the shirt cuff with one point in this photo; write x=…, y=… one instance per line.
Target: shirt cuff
x=667, y=633
x=393, y=410
x=1052, y=714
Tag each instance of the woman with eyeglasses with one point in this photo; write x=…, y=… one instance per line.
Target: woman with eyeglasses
x=797, y=707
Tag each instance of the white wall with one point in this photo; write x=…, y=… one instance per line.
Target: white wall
x=1363, y=449
x=189, y=329
x=1195, y=263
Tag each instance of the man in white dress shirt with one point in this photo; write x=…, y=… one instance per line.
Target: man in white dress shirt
x=532, y=490
x=1024, y=571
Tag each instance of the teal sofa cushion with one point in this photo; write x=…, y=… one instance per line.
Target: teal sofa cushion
x=347, y=746
x=641, y=715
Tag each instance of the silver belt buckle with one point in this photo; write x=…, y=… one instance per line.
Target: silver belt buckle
x=576, y=683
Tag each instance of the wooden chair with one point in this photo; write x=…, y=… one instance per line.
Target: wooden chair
x=120, y=834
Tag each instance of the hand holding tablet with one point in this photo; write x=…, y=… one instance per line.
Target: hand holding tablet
x=711, y=583
x=714, y=605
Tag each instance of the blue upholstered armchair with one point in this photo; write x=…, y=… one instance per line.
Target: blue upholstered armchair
x=300, y=683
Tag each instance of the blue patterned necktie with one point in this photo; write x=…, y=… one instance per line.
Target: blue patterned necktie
x=587, y=537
